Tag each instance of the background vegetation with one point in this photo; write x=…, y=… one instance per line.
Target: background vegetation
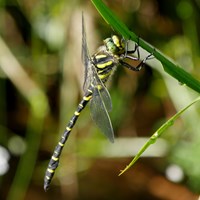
x=41, y=77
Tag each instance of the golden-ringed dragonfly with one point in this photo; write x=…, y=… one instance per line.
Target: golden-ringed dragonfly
x=98, y=69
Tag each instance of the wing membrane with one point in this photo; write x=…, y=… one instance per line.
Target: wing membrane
x=100, y=103
x=85, y=58
x=99, y=106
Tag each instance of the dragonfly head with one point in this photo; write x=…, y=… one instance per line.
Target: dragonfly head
x=115, y=45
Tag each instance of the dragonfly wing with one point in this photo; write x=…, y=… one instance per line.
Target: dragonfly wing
x=99, y=103
x=105, y=97
x=85, y=58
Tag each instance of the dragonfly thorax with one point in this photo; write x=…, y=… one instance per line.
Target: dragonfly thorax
x=115, y=45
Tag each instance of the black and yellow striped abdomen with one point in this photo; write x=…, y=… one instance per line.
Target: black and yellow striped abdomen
x=53, y=163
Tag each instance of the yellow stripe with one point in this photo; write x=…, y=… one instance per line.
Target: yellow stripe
x=116, y=40
x=100, y=56
x=47, y=177
x=76, y=113
x=87, y=98
x=61, y=144
x=102, y=76
x=90, y=90
x=68, y=129
x=54, y=158
x=100, y=71
x=101, y=66
x=80, y=105
x=50, y=170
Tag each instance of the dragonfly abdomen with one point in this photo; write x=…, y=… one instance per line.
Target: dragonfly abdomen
x=53, y=163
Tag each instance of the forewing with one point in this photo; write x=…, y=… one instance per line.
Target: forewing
x=85, y=58
x=101, y=101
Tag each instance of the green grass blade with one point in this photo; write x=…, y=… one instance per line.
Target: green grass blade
x=172, y=69
x=157, y=134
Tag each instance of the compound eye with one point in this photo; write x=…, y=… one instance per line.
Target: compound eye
x=110, y=45
x=113, y=48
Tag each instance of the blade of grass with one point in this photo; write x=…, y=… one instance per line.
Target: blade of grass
x=157, y=134
x=172, y=69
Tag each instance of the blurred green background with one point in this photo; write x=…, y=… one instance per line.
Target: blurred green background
x=41, y=78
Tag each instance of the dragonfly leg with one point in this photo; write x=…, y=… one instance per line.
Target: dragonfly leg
x=140, y=65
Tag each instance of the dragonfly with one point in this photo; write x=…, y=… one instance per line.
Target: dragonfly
x=98, y=69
